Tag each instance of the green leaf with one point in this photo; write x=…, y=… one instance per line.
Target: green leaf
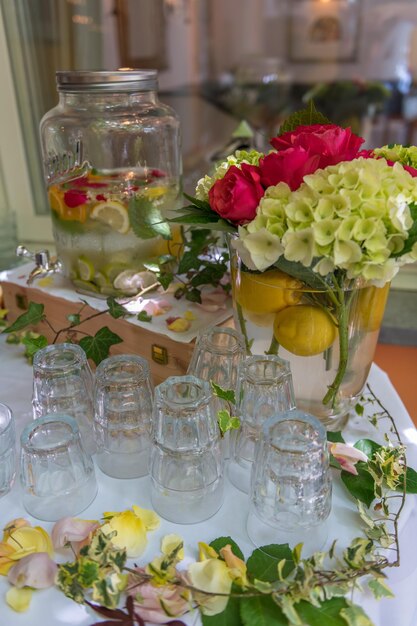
x=229, y=617
x=203, y=205
x=359, y=409
x=74, y=319
x=97, y=347
x=31, y=317
x=226, y=421
x=33, y=344
x=328, y=614
x=188, y=262
x=261, y=611
x=88, y=572
x=304, y=117
x=355, y=616
x=299, y=271
x=222, y=542
x=367, y=446
x=411, y=482
x=210, y=275
x=116, y=310
x=223, y=394
x=263, y=562
x=335, y=437
x=193, y=295
x=361, y=487
x=165, y=279
x=146, y=219
x=196, y=217
x=380, y=589
x=143, y=316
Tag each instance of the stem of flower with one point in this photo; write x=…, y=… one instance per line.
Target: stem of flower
x=273, y=347
x=342, y=315
x=242, y=324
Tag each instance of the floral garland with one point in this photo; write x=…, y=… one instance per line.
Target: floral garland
x=275, y=585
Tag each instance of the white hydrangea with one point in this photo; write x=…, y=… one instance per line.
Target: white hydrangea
x=354, y=216
x=240, y=156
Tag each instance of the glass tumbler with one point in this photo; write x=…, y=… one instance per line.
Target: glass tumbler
x=186, y=464
x=123, y=399
x=216, y=356
x=63, y=383
x=264, y=388
x=291, y=485
x=56, y=472
x=7, y=449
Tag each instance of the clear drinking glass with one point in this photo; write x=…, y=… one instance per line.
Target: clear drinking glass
x=186, y=459
x=216, y=356
x=123, y=402
x=264, y=389
x=7, y=449
x=56, y=472
x=63, y=383
x=291, y=485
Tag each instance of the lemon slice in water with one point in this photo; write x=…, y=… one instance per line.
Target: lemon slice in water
x=112, y=213
x=85, y=267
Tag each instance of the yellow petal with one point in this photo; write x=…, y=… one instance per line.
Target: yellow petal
x=149, y=518
x=131, y=532
x=27, y=540
x=206, y=552
x=13, y=525
x=19, y=599
x=170, y=543
x=189, y=315
x=211, y=575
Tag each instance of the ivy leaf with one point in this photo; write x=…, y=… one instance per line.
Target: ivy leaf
x=411, y=482
x=304, y=117
x=226, y=421
x=367, y=446
x=97, y=347
x=335, y=437
x=33, y=344
x=146, y=219
x=188, y=262
x=222, y=542
x=355, y=616
x=211, y=274
x=263, y=562
x=223, y=394
x=328, y=614
x=165, y=279
x=229, y=617
x=359, y=409
x=380, y=589
x=116, y=310
x=193, y=295
x=143, y=316
x=361, y=486
x=261, y=611
x=31, y=317
x=74, y=319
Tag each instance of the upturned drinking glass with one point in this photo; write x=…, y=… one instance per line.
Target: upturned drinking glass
x=216, y=357
x=63, y=383
x=186, y=465
x=264, y=388
x=56, y=472
x=7, y=449
x=291, y=485
x=123, y=402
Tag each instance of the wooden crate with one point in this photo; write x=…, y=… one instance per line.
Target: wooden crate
x=166, y=357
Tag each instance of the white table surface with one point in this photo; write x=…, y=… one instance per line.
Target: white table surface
x=51, y=608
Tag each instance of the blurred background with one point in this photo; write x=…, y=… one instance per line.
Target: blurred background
x=219, y=63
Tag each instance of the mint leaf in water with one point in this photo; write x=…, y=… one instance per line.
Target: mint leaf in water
x=146, y=219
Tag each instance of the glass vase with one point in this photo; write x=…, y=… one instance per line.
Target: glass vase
x=327, y=333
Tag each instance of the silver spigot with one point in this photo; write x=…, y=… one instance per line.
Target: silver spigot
x=44, y=265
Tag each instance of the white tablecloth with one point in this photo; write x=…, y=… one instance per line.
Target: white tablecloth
x=51, y=608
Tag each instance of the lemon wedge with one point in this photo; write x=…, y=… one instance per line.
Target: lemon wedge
x=85, y=267
x=112, y=213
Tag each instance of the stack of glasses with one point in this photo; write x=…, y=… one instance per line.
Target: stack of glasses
x=278, y=456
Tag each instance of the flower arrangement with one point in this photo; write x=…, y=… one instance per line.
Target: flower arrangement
x=275, y=584
x=318, y=215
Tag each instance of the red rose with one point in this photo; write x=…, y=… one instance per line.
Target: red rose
x=332, y=143
x=236, y=196
x=288, y=166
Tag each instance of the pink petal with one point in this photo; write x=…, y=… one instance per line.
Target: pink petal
x=70, y=529
x=36, y=570
x=348, y=466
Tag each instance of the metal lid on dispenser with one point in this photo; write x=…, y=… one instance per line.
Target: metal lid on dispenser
x=107, y=81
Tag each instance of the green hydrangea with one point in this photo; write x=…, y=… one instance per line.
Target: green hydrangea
x=396, y=152
x=354, y=216
x=240, y=156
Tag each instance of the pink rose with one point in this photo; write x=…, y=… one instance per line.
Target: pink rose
x=158, y=605
x=332, y=143
x=288, y=166
x=235, y=197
